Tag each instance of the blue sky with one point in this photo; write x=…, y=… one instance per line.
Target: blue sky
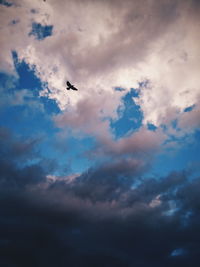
x=109, y=172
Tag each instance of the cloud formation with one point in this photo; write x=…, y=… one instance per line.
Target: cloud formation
x=115, y=213
x=106, y=44
x=98, y=217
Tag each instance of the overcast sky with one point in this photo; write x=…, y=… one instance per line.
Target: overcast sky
x=108, y=175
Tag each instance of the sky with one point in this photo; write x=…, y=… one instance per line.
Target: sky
x=108, y=175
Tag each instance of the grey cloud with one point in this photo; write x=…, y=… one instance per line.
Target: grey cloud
x=106, y=182
x=15, y=156
x=138, y=22
x=97, y=218
x=58, y=227
x=13, y=148
x=190, y=120
x=90, y=117
x=143, y=142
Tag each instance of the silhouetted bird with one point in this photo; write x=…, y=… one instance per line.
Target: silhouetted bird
x=70, y=86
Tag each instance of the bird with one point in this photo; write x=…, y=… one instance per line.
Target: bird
x=71, y=86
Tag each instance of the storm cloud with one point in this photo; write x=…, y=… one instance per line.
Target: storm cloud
x=108, y=216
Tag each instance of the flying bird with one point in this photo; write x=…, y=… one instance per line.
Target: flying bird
x=70, y=86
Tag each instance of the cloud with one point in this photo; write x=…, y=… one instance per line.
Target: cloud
x=103, y=45
x=110, y=213
x=98, y=217
x=115, y=44
x=190, y=120
x=92, y=119
x=141, y=142
x=14, y=148
x=105, y=182
x=18, y=162
x=172, y=71
x=89, y=115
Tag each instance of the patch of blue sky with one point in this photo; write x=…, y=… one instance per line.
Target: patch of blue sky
x=50, y=152
x=183, y=155
x=27, y=78
x=78, y=152
x=41, y=31
x=26, y=121
x=151, y=127
x=190, y=108
x=5, y=3
x=130, y=116
x=80, y=165
x=120, y=89
x=68, y=152
x=50, y=105
x=31, y=114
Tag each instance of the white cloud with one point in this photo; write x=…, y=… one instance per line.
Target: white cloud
x=155, y=202
x=98, y=45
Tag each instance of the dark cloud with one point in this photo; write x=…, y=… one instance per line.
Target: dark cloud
x=14, y=148
x=16, y=157
x=47, y=230
x=104, y=183
x=108, y=216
